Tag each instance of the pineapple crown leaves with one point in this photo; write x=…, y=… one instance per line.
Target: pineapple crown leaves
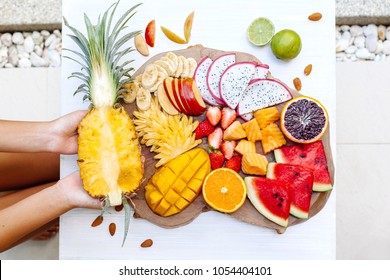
x=100, y=54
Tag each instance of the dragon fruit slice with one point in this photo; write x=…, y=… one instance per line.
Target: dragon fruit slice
x=200, y=79
x=247, y=117
x=234, y=81
x=215, y=72
x=262, y=93
x=261, y=72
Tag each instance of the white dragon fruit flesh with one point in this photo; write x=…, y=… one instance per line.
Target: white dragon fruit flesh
x=234, y=81
x=262, y=93
x=215, y=72
x=200, y=79
x=262, y=71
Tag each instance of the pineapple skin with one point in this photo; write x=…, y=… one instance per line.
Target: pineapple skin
x=109, y=154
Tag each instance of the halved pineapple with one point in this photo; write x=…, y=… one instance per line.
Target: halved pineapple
x=109, y=153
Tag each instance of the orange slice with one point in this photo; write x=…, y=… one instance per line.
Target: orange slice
x=224, y=190
x=304, y=119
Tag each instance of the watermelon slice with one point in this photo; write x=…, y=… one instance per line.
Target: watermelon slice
x=300, y=182
x=270, y=198
x=309, y=155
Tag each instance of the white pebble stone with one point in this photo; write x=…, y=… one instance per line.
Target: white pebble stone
x=6, y=39
x=371, y=43
x=37, y=61
x=356, y=30
x=20, y=49
x=38, y=50
x=17, y=38
x=388, y=33
x=386, y=47
x=371, y=29
x=379, y=48
x=29, y=44
x=57, y=33
x=351, y=49
x=12, y=50
x=353, y=57
x=338, y=35
x=382, y=32
x=49, y=40
x=45, y=33
x=9, y=65
x=364, y=54
x=360, y=42
x=377, y=57
x=37, y=37
x=345, y=27
x=2, y=63
x=53, y=45
x=383, y=57
x=341, y=45
x=53, y=57
x=24, y=63
x=13, y=59
x=346, y=35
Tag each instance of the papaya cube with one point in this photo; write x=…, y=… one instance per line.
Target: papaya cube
x=245, y=146
x=266, y=116
x=234, y=132
x=252, y=130
x=272, y=138
x=254, y=164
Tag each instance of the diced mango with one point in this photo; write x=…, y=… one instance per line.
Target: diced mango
x=254, y=164
x=245, y=146
x=175, y=185
x=266, y=116
x=234, y=132
x=252, y=130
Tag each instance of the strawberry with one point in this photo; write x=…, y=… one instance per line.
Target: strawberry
x=234, y=163
x=205, y=128
x=216, y=159
x=213, y=114
x=227, y=148
x=215, y=138
x=228, y=117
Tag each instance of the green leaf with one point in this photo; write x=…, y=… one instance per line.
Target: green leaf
x=127, y=208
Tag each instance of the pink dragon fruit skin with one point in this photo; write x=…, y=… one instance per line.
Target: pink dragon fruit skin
x=262, y=71
x=234, y=81
x=262, y=93
x=200, y=79
x=215, y=72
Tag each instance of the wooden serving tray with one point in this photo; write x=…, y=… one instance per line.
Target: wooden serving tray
x=247, y=213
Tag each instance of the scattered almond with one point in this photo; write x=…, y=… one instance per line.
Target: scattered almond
x=98, y=221
x=308, y=69
x=119, y=208
x=315, y=16
x=147, y=243
x=140, y=45
x=297, y=84
x=112, y=228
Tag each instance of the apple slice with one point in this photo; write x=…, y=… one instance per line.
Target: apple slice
x=188, y=26
x=168, y=83
x=179, y=95
x=164, y=101
x=192, y=95
x=150, y=33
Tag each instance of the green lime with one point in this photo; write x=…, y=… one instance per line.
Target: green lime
x=260, y=31
x=286, y=44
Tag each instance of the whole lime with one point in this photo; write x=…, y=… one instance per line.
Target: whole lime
x=286, y=44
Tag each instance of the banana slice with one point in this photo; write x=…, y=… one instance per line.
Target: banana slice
x=150, y=75
x=171, y=63
x=161, y=70
x=167, y=65
x=192, y=66
x=173, y=57
x=143, y=99
x=179, y=68
x=160, y=79
x=186, y=67
x=131, y=91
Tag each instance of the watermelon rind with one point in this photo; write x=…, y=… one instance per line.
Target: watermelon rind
x=256, y=202
x=295, y=211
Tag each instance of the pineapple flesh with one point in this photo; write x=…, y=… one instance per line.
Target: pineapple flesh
x=109, y=153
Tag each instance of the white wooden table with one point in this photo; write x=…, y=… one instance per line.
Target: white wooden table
x=221, y=25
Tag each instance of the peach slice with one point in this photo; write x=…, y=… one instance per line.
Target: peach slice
x=172, y=36
x=150, y=33
x=188, y=26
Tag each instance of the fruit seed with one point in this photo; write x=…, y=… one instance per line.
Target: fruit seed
x=315, y=17
x=98, y=221
x=112, y=228
x=147, y=243
x=308, y=69
x=297, y=84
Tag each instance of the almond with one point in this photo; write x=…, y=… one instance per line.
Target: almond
x=140, y=45
x=119, y=208
x=315, y=17
x=98, y=221
x=297, y=84
x=308, y=69
x=147, y=243
x=112, y=228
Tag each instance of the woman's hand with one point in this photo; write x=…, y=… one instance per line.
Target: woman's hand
x=64, y=132
x=74, y=194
